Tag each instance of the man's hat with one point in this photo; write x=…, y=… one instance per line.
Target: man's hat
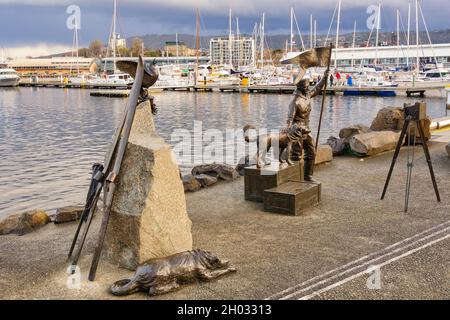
x=150, y=72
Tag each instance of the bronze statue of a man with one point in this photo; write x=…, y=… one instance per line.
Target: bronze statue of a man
x=299, y=112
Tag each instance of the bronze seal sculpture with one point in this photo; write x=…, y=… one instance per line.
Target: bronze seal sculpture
x=164, y=275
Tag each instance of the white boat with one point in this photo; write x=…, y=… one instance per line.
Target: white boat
x=9, y=78
x=436, y=75
x=120, y=79
x=216, y=76
x=371, y=80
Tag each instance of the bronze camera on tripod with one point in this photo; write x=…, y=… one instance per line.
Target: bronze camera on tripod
x=416, y=113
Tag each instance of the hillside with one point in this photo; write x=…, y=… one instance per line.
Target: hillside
x=278, y=41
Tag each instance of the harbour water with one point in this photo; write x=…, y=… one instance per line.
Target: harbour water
x=49, y=138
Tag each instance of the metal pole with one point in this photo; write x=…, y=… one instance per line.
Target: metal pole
x=292, y=28
x=354, y=43
x=398, y=38
x=408, y=40
x=378, y=32
x=323, y=100
x=417, y=38
x=114, y=36
x=230, y=45
x=110, y=180
x=337, y=33
x=262, y=39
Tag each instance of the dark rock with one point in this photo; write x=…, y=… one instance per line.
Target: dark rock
x=338, y=146
x=191, y=184
x=67, y=214
x=205, y=180
x=388, y=119
x=24, y=223
x=220, y=171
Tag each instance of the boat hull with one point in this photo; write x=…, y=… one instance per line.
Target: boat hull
x=9, y=82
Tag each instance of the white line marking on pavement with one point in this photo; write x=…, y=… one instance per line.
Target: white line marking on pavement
x=337, y=284
x=384, y=252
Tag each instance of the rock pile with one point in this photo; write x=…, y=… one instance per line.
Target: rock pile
x=23, y=223
x=206, y=175
x=382, y=135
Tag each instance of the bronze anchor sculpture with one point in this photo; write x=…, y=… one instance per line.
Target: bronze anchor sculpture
x=103, y=176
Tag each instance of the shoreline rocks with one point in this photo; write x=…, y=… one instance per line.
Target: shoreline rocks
x=67, y=214
x=219, y=171
x=372, y=143
x=23, y=223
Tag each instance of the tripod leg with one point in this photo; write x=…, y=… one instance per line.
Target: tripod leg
x=91, y=192
x=87, y=226
x=102, y=232
x=394, y=159
x=428, y=157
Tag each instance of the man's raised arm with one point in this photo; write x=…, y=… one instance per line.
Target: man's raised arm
x=318, y=88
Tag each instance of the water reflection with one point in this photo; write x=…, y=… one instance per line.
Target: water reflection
x=49, y=138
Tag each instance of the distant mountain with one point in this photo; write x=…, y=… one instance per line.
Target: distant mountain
x=155, y=41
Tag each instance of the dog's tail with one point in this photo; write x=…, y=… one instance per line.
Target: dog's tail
x=246, y=133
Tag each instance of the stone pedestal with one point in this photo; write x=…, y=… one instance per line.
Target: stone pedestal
x=259, y=180
x=292, y=198
x=149, y=217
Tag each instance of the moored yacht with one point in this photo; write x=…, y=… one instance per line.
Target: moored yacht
x=9, y=78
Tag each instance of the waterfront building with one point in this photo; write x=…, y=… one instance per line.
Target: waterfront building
x=173, y=49
x=393, y=56
x=242, y=51
x=53, y=66
x=118, y=42
x=160, y=61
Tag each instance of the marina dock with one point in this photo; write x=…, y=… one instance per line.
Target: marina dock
x=117, y=90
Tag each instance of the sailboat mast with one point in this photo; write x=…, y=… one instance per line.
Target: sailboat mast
x=76, y=46
x=315, y=33
x=239, y=42
x=114, y=36
x=176, y=42
x=337, y=32
x=292, y=29
x=262, y=39
x=230, y=45
x=311, y=32
x=417, y=37
x=353, y=46
x=398, y=38
x=378, y=32
x=197, y=44
x=255, y=41
x=408, y=37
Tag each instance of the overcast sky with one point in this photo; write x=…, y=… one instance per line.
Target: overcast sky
x=41, y=24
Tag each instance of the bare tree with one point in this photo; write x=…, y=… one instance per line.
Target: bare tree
x=96, y=48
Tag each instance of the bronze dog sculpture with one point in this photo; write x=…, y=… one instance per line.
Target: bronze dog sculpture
x=285, y=139
x=163, y=275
